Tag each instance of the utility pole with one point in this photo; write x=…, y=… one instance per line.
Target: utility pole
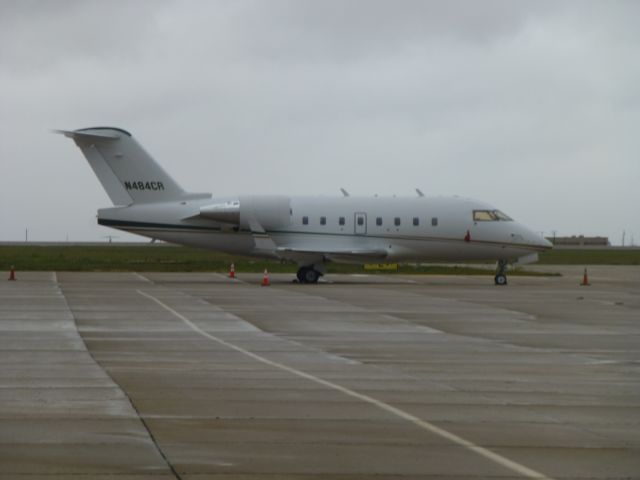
x=623, y=234
x=26, y=235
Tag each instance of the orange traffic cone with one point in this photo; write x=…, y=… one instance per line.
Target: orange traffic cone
x=232, y=271
x=12, y=274
x=585, y=279
x=265, y=279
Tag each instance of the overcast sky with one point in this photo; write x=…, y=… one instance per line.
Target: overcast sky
x=531, y=106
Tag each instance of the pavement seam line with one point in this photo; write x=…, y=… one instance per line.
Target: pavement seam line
x=170, y=466
x=423, y=424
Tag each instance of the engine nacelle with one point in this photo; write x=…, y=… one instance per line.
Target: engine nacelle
x=271, y=212
x=225, y=212
x=252, y=212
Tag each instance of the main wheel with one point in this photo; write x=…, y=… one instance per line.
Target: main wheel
x=307, y=275
x=501, y=279
x=301, y=274
x=311, y=276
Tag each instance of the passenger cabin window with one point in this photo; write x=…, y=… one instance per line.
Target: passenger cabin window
x=379, y=221
x=434, y=221
x=323, y=220
x=305, y=220
x=490, y=216
x=360, y=221
x=396, y=221
x=416, y=221
x=341, y=220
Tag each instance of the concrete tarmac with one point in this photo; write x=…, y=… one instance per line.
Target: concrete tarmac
x=197, y=376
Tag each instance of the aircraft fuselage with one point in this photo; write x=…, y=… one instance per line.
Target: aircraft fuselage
x=407, y=229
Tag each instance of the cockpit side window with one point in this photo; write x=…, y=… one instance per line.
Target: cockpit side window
x=483, y=216
x=490, y=216
x=502, y=216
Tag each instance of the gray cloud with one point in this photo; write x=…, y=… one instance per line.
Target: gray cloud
x=530, y=106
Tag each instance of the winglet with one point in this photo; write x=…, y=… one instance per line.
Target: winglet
x=419, y=192
x=344, y=192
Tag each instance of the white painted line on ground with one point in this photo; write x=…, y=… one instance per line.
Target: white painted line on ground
x=141, y=277
x=423, y=424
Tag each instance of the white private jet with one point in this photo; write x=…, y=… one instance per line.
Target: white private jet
x=310, y=231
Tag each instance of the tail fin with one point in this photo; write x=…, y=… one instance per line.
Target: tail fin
x=127, y=173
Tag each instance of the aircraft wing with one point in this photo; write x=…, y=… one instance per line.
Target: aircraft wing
x=332, y=252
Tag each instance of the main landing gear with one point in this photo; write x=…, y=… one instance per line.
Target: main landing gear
x=308, y=275
x=501, y=273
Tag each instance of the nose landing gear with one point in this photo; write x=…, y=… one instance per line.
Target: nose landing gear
x=501, y=273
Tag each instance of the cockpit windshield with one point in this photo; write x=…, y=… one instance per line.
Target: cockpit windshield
x=490, y=216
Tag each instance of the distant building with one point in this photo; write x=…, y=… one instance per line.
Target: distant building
x=580, y=240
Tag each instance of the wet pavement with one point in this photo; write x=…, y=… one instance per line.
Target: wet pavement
x=197, y=376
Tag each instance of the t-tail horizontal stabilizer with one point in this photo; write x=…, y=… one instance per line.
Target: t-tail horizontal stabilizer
x=126, y=171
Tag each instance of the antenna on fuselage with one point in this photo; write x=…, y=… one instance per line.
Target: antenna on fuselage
x=419, y=192
x=344, y=192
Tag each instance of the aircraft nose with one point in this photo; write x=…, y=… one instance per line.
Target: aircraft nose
x=534, y=238
x=540, y=241
x=546, y=243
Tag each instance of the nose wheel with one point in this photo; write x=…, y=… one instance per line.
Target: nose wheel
x=501, y=273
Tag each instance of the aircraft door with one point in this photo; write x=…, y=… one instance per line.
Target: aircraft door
x=360, y=223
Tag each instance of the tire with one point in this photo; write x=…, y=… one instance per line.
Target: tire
x=301, y=274
x=311, y=276
x=501, y=279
